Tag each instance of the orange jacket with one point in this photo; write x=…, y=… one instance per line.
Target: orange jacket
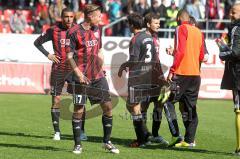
x=188, y=50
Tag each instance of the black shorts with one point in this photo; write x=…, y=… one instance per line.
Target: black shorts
x=97, y=91
x=153, y=99
x=57, y=81
x=142, y=93
x=188, y=89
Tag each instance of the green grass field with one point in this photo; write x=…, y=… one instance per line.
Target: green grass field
x=26, y=132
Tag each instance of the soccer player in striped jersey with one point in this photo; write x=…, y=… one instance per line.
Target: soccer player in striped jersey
x=86, y=59
x=60, y=66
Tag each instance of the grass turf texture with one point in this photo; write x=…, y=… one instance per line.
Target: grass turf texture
x=26, y=132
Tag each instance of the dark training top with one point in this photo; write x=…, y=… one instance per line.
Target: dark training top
x=143, y=59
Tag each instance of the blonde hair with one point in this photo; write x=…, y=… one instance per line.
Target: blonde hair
x=90, y=8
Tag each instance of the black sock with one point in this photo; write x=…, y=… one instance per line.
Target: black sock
x=157, y=118
x=145, y=129
x=83, y=123
x=139, y=128
x=144, y=117
x=107, y=128
x=83, y=120
x=176, y=133
x=55, y=113
x=76, y=126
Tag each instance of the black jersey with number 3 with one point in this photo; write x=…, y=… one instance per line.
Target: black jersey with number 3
x=142, y=53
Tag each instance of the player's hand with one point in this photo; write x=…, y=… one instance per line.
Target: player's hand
x=169, y=77
x=83, y=79
x=205, y=58
x=121, y=69
x=169, y=50
x=54, y=58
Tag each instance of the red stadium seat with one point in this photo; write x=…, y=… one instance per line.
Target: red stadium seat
x=1, y=28
x=29, y=29
x=6, y=28
x=28, y=14
x=1, y=15
x=7, y=14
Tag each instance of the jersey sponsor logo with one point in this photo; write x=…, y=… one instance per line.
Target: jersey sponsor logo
x=147, y=40
x=64, y=42
x=16, y=81
x=91, y=43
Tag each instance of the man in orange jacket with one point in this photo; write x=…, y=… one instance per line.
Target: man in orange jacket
x=185, y=71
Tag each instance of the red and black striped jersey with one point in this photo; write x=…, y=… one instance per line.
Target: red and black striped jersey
x=56, y=34
x=85, y=44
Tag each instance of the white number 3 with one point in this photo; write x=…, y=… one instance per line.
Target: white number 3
x=148, y=54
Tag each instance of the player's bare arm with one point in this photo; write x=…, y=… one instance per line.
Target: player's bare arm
x=100, y=57
x=170, y=76
x=80, y=75
x=169, y=50
x=39, y=45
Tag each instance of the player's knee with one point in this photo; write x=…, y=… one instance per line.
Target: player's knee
x=78, y=111
x=57, y=99
x=107, y=111
x=56, y=102
x=107, y=108
x=78, y=108
x=134, y=109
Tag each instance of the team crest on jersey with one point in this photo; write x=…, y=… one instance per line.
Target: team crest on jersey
x=64, y=42
x=96, y=34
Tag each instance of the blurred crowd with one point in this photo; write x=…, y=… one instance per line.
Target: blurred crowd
x=35, y=16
